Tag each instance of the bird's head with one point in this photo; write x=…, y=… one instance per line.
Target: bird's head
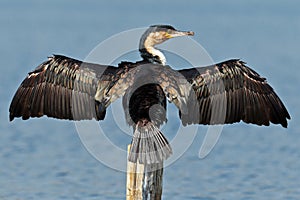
x=157, y=34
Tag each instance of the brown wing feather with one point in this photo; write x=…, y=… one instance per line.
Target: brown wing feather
x=62, y=88
x=229, y=92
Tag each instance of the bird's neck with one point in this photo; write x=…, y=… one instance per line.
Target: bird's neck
x=150, y=53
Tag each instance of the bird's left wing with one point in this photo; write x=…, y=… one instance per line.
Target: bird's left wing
x=229, y=92
x=66, y=88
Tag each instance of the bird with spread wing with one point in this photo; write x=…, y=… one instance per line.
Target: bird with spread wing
x=223, y=93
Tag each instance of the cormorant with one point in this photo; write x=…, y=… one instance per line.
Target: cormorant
x=222, y=93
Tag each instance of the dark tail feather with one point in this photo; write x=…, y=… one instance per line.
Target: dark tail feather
x=148, y=145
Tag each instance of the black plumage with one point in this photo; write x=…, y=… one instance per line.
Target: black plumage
x=224, y=93
x=235, y=92
x=61, y=88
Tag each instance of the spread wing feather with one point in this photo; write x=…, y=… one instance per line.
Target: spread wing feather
x=229, y=92
x=64, y=88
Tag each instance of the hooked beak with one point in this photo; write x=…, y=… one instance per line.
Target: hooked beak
x=181, y=33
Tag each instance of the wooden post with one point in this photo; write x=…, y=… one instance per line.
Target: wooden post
x=134, y=185
x=152, y=183
x=144, y=181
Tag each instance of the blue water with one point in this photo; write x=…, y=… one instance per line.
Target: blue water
x=45, y=159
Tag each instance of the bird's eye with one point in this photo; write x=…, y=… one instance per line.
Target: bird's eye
x=171, y=97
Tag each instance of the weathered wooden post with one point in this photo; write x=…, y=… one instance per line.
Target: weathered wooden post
x=144, y=181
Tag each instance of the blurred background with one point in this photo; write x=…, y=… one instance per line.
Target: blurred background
x=45, y=159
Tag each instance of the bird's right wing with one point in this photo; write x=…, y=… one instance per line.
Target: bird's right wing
x=65, y=88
